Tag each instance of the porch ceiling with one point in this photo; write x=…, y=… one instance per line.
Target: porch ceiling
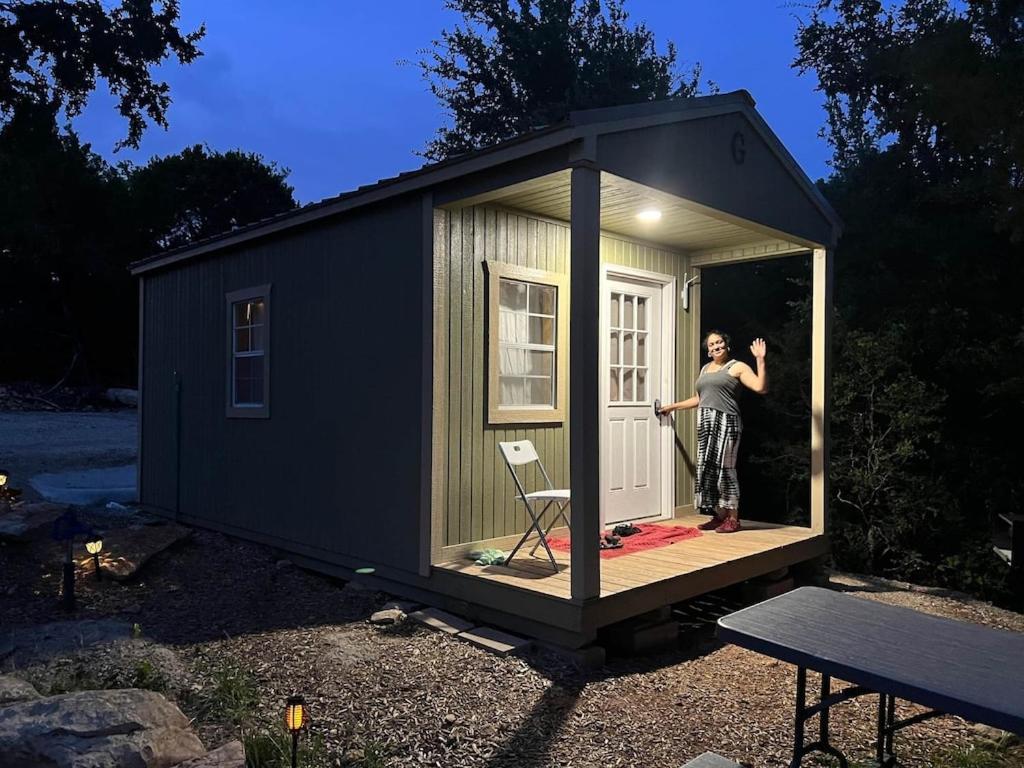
x=684, y=225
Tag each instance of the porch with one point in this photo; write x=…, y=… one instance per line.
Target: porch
x=637, y=582
x=625, y=219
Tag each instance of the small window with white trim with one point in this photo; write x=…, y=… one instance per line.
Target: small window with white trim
x=249, y=357
x=527, y=345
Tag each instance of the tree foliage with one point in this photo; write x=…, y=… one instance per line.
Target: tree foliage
x=925, y=112
x=509, y=67
x=53, y=51
x=200, y=192
x=937, y=84
x=70, y=224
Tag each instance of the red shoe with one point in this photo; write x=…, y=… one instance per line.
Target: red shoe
x=712, y=524
x=729, y=525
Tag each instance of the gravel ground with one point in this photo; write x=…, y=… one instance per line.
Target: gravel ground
x=32, y=442
x=405, y=695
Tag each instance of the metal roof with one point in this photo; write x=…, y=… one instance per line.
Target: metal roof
x=577, y=125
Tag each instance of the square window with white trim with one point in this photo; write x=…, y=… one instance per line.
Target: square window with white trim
x=527, y=345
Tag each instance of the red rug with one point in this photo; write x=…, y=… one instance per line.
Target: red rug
x=650, y=537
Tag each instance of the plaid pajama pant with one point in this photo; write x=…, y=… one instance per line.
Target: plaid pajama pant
x=718, y=440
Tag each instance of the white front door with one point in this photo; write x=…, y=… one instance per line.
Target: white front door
x=632, y=441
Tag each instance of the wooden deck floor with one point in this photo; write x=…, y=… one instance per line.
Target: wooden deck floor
x=763, y=543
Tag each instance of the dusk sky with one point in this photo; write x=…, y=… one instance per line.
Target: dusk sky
x=318, y=86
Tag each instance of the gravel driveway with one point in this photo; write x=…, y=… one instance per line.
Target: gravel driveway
x=32, y=442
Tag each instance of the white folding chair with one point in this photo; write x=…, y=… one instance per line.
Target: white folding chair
x=518, y=454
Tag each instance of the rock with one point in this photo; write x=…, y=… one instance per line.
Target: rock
x=127, y=728
x=28, y=645
x=353, y=757
x=230, y=755
x=123, y=396
x=283, y=564
x=390, y=616
x=14, y=689
x=27, y=521
x=127, y=550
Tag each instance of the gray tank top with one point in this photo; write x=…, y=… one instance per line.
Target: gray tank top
x=718, y=390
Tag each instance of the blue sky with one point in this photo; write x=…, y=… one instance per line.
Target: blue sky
x=318, y=87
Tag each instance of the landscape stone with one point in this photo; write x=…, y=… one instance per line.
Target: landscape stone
x=29, y=520
x=405, y=606
x=438, y=619
x=127, y=550
x=230, y=755
x=127, y=728
x=390, y=616
x=14, y=689
x=26, y=645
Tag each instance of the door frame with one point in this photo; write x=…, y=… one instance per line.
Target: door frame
x=668, y=374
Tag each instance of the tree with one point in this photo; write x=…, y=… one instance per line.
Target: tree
x=64, y=250
x=936, y=83
x=197, y=193
x=53, y=52
x=507, y=70
x=924, y=107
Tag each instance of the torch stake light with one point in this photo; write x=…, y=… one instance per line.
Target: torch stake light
x=295, y=719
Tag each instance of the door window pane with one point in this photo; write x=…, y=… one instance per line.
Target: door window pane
x=627, y=385
x=641, y=385
x=627, y=349
x=641, y=313
x=613, y=384
x=627, y=312
x=641, y=349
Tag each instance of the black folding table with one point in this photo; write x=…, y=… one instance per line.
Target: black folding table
x=951, y=667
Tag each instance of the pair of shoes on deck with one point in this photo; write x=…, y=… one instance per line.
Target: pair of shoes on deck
x=609, y=541
x=721, y=525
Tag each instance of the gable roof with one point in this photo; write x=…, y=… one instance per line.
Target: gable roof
x=577, y=125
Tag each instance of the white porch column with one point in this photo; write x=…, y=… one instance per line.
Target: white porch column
x=821, y=386
x=584, y=397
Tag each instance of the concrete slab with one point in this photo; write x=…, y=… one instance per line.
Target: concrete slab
x=88, y=486
x=496, y=641
x=438, y=619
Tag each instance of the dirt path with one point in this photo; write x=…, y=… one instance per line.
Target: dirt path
x=32, y=442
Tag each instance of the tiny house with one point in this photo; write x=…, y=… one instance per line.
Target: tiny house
x=336, y=381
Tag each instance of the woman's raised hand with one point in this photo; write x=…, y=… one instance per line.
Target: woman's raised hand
x=758, y=349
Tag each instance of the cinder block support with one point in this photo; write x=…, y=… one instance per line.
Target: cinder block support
x=821, y=386
x=584, y=397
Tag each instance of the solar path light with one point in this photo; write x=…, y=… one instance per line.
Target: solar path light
x=93, y=545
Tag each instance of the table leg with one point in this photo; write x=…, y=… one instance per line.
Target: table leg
x=884, y=757
x=804, y=713
x=798, y=720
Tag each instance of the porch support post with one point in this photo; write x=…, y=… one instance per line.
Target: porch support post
x=821, y=386
x=584, y=398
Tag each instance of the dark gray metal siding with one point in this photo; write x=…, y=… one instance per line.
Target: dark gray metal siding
x=694, y=160
x=336, y=467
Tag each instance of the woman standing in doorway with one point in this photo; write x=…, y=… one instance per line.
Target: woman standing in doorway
x=719, y=427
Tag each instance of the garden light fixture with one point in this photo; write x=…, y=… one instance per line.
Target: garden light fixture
x=3, y=478
x=93, y=545
x=294, y=720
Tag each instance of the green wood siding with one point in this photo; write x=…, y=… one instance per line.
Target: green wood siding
x=477, y=492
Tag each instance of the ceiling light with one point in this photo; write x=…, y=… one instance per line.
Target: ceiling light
x=650, y=214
